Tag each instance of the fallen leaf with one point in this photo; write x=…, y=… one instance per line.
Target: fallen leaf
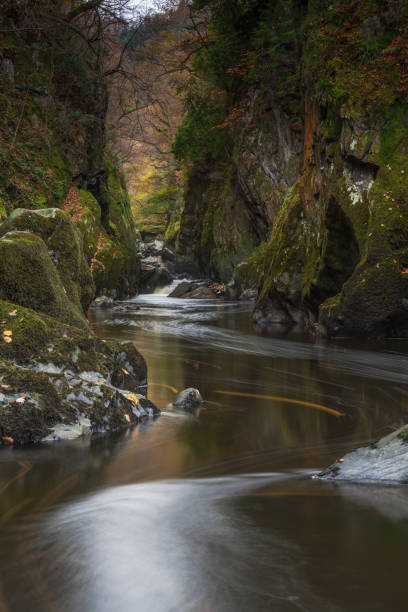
x=125, y=371
x=133, y=398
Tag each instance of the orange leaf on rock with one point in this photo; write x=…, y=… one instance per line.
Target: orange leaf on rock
x=133, y=398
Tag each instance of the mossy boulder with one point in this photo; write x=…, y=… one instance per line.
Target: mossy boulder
x=39, y=340
x=65, y=245
x=28, y=277
x=36, y=406
x=60, y=374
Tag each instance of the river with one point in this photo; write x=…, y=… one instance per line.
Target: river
x=218, y=511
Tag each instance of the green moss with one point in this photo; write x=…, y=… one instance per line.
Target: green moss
x=286, y=251
x=172, y=232
x=28, y=277
x=65, y=246
x=249, y=274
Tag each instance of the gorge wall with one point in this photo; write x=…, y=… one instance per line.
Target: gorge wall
x=66, y=230
x=53, y=151
x=295, y=146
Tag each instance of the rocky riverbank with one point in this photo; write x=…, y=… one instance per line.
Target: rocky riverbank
x=57, y=379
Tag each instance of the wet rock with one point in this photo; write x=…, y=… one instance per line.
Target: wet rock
x=102, y=301
x=130, y=369
x=154, y=276
x=127, y=307
x=61, y=431
x=183, y=288
x=198, y=291
x=201, y=293
x=51, y=373
x=189, y=399
x=386, y=460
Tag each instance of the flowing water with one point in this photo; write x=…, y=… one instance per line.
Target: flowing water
x=216, y=512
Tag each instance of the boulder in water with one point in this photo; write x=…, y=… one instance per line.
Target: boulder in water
x=183, y=288
x=201, y=293
x=385, y=460
x=103, y=301
x=189, y=399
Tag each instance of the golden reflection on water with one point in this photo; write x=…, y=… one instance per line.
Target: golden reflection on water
x=285, y=400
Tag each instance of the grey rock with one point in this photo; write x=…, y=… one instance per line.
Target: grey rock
x=102, y=301
x=201, y=293
x=188, y=399
x=386, y=461
x=183, y=288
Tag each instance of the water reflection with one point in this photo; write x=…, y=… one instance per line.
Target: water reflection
x=215, y=511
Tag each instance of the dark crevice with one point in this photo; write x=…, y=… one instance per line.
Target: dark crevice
x=341, y=256
x=361, y=165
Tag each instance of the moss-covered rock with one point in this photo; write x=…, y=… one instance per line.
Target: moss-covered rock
x=60, y=373
x=28, y=277
x=65, y=245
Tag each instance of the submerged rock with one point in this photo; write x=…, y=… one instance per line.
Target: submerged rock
x=103, y=301
x=189, y=399
x=385, y=460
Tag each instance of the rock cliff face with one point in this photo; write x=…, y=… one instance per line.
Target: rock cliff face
x=313, y=167
x=337, y=256
x=231, y=204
